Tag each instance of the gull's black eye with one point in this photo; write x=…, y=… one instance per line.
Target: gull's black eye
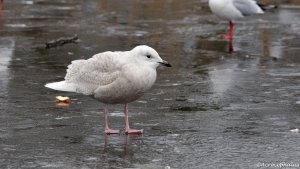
x=148, y=56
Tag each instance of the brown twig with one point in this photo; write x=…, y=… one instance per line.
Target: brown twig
x=61, y=41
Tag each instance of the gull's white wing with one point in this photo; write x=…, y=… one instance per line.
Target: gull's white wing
x=247, y=7
x=87, y=75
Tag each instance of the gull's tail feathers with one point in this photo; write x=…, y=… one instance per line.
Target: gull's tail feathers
x=62, y=86
x=267, y=7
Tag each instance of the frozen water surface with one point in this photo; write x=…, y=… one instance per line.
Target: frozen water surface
x=212, y=109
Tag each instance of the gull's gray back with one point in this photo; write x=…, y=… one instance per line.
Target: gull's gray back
x=88, y=75
x=247, y=7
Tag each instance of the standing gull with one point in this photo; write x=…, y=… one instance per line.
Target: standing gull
x=233, y=9
x=113, y=78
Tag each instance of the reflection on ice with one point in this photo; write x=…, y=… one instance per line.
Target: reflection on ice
x=286, y=74
x=17, y=25
x=222, y=80
x=210, y=106
x=28, y=2
x=276, y=50
x=7, y=46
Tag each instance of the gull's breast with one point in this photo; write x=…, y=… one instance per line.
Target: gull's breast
x=133, y=82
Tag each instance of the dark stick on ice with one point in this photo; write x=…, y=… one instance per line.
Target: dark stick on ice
x=61, y=41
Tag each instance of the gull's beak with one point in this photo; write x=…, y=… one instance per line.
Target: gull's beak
x=165, y=63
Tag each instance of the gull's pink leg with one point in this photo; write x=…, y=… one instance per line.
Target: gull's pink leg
x=229, y=35
x=107, y=129
x=128, y=130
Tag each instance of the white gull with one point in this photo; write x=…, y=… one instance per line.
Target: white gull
x=113, y=78
x=233, y=9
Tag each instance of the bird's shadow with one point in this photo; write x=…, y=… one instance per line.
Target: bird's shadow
x=126, y=140
x=230, y=46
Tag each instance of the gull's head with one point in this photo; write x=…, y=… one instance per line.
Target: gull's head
x=148, y=56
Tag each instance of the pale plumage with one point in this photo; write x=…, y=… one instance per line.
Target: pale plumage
x=113, y=77
x=233, y=9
